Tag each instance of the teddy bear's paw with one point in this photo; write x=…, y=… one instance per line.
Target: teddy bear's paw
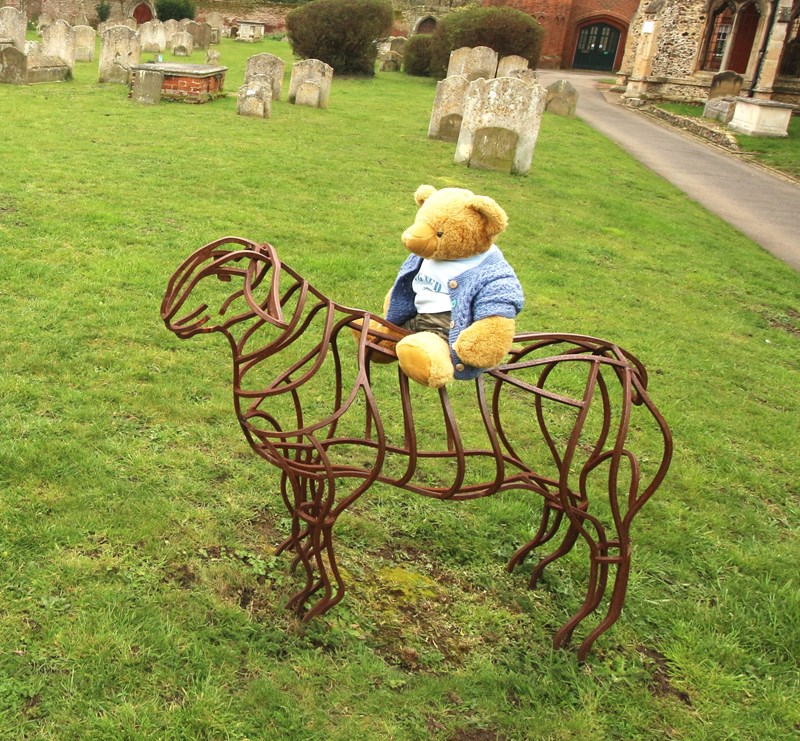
x=425, y=359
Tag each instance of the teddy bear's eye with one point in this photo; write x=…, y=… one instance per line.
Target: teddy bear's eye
x=439, y=234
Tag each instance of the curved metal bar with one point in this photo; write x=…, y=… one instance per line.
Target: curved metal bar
x=281, y=312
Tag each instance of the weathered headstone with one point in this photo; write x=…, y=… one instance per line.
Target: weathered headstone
x=146, y=86
x=725, y=83
x=448, y=108
x=561, y=99
x=200, y=32
x=84, y=43
x=309, y=74
x=217, y=23
x=720, y=109
x=153, y=37
x=42, y=22
x=510, y=64
x=13, y=66
x=528, y=76
x=213, y=56
x=269, y=67
x=182, y=44
x=13, y=25
x=129, y=23
x=255, y=99
x=170, y=29
x=119, y=51
x=391, y=61
x=43, y=68
x=397, y=44
x=58, y=40
x=473, y=63
x=500, y=125
x=33, y=47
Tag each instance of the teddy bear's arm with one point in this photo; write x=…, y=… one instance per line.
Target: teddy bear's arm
x=486, y=342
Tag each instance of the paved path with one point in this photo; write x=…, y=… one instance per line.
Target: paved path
x=762, y=205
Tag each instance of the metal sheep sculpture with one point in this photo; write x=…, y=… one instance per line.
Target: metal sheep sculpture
x=335, y=417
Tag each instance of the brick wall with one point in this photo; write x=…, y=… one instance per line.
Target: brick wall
x=562, y=21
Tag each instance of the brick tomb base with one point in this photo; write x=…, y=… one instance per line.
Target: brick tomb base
x=188, y=83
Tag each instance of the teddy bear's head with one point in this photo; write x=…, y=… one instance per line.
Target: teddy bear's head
x=453, y=223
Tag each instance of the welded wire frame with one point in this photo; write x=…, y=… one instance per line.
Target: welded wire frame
x=318, y=484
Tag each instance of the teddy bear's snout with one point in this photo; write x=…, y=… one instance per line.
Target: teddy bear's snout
x=421, y=239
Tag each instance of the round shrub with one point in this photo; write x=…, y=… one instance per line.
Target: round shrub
x=506, y=30
x=174, y=9
x=417, y=55
x=341, y=33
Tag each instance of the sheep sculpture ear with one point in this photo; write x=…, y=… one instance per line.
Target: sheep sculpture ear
x=423, y=193
x=494, y=216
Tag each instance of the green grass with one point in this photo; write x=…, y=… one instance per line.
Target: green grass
x=140, y=596
x=782, y=154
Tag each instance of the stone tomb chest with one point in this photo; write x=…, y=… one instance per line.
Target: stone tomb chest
x=188, y=83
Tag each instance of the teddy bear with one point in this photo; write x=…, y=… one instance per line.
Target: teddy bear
x=455, y=291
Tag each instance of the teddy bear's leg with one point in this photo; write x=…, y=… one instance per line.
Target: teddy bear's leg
x=425, y=358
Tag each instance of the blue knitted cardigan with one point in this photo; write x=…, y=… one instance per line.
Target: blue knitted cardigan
x=489, y=289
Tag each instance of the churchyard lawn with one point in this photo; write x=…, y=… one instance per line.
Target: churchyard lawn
x=141, y=599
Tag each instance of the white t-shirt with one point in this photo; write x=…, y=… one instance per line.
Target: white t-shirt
x=431, y=289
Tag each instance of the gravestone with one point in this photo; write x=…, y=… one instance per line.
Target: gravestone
x=58, y=40
x=153, y=37
x=146, y=86
x=308, y=74
x=84, y=43
x=217, y=23
x=397, y=44
x=13, y=25
x=129, y=23
x=44, y=68
x=448, y=108
x=724, y=84
x=267, y=66
x=473, y=63
x=33, y=47
x=13, y=66
x=170, y=29
x=182, y=44
x=561, y=99
x=391, y=61
x=510, y=64
x=255, y=99
x=250, y=31
x=201, y=34
x=528, y=76
x=721, y=103
x=213, y=57
x=42, y=22
x=119, y=51
x=500, y=125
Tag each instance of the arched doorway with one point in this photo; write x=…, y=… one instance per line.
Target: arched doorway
x=744, y=36
x=597, y=47
x=142, y=13
x=426, y=25
x=730, y=36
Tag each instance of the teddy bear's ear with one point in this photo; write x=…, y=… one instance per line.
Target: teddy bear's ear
x=493, y=215
x=423, y=193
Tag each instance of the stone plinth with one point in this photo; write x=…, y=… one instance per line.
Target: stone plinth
x=761, y=117
x=188, y=83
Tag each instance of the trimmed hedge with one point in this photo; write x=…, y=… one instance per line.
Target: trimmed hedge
x=174, y=9
x=342, y=33
x=506, y=30
x=417, y=55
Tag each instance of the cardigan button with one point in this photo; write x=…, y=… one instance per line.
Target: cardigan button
x=459, y=366
x=453, y=284
x=452, y=324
